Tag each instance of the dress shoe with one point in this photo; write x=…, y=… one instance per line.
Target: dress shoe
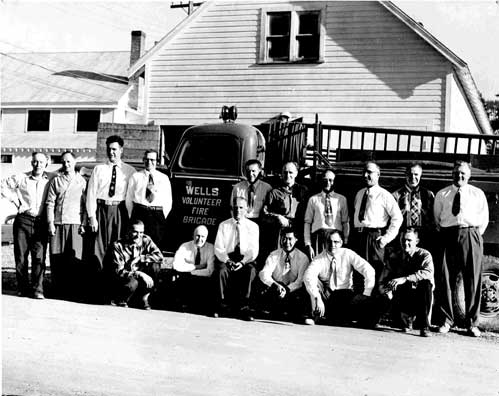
x=246, y=314
x=444, y=329
x=405, y=329
x=38, y=296
x=425, y=332
x=116, y=303
x=215, y=315
x=309, y=322
x=474, y=331
x=145, y=301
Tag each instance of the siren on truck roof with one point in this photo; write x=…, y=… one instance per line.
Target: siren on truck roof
x=228, y=114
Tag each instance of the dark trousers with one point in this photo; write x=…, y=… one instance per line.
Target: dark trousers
x=296, y=303
x=366, y=246
x=132, y=288
x=154, y=222
x=461, y=253
x=30, y=237
x=233, y=286
x=193, y=291
x=414, y=299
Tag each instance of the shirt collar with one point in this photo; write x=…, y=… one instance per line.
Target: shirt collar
x=44, y=175
x=119, y=164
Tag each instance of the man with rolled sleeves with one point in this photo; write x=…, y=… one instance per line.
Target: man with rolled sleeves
x=377, y=219
x=106, y=207
x=462, y=215
x=149, y=197
x=28, y=192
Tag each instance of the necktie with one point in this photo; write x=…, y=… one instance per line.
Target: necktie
x=112, y=186
x=287, y=264
x=363, y=204
x=415, y=213
x=328, y=211
x=251, y=196
x=237, y=239
x=197, y=260
x=333, y=282
x=149, y=189
x=456, y=204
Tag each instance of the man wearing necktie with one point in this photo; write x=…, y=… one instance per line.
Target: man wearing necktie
x=236, y=249
x=194, y=262
x=328, y=280
x=377, y=220
x=462, y=215
x=326, y=211
x=416, y=204
x=106, y=209
x=282, y=278
x=149, y=198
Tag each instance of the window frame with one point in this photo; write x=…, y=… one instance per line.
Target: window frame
x=37, y=130
x=77, y=116
x=295, y=10
x=10, y=157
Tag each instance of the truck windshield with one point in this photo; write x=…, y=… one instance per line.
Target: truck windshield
x=210, y=154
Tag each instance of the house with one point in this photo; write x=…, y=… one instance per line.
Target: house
x=363, y=63
x=53, y=102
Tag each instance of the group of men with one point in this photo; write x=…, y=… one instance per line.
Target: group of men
x=281, y=253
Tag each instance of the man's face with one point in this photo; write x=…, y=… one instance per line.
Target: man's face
x=288, y=241
x=461, y=175
x=410, y=242
x=200, y=236
x=334, y=242
x=150, y=161
x=114, y=151
x=239, y=209
x=68, y=163
x=328, y=181
x=39, y=163
x=252, y=172
x=371, y=175
x=136, y=233
x=413, y=176
x=289, y=174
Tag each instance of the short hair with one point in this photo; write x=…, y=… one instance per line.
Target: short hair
x=67, y=152
x=199, y=227
x=288, y=230
x=291, y=163
x=459, y=163
x=253, y=161
x=150, y=151
x=332, y=170
x=413, y=165
x=413, y=230
x=234, y=201
x=35, y=153
x=374, y=163
x=136, y=222
x=115, y=139
x=330, y=233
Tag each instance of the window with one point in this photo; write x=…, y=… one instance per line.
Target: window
x=38, y=120
x=87, y=120
x=291, y=36
x=6, y=158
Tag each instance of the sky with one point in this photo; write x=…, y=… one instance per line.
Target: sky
x=469, y=28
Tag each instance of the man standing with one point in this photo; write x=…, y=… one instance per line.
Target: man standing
x=136, y=264
x=106, y=208
x=236, y=248
x=253, y=189
x=462, y=215
x=325, y=211
x=149, y=197
x=195, y=262
x=377, y=219
x=408, y=281
x=28, y=192
x=282, y=276
x=66, y=216
x=416, y=204
x=328, y=280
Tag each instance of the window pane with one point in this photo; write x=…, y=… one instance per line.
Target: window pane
x=38, y=120
x=278, y=48
x=88, y=120
x=279, y=23
x=308, y=24
x=6, y=158
x=308, y=47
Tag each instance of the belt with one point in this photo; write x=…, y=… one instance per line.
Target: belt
x=369, y=229
x=459, y=227
x=30, y=215
x=148, y=207
x=109, y=202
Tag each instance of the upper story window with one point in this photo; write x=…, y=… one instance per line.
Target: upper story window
x=6, y=158
x=294, y=35
x=87, y=120
x=38, y=121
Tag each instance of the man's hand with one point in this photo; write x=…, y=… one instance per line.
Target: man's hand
x=81, y=229
x=94, y=226
x=394, y=283
x=237, y=266
x=283, y=221
x=381, y=241
x=318, y=307
x=51, y=229
x=146, y=278
x=311, y=252
x=282, y=290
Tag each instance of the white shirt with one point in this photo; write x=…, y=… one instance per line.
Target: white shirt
x=225, y=242
x=162, y=190
x=381, y=211
x=321, y=269
x=315, y=218
x=100, y=180
x=275, y=270
x=185, y=258
x=474, y=208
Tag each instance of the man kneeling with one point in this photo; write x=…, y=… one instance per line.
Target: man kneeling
x=282, y=276
x=328, y=280
x=136, y=263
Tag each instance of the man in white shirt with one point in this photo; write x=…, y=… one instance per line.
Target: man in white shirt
x=377, y=220
x=325, y=211
x=328, y=280
x=236, y=249
x=282, y=276
x=149, y=198
x=106, y=208
x=194, y=261
x=462, y=215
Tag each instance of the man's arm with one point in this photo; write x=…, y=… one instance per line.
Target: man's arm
x=50, y=205
x=210, y=264
x=425, y=271
x=129, y=195
x=396, y=219
x=167, y=204
x=180, y=263
x=151, y=252
x=437, y=209
x=307, y=220
x=253, y=242
x=92, y=198
x=484, y=212
x=345, y=219
x=364, y=268
x=265, y=274
x=221, y=244
x=302, y=266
